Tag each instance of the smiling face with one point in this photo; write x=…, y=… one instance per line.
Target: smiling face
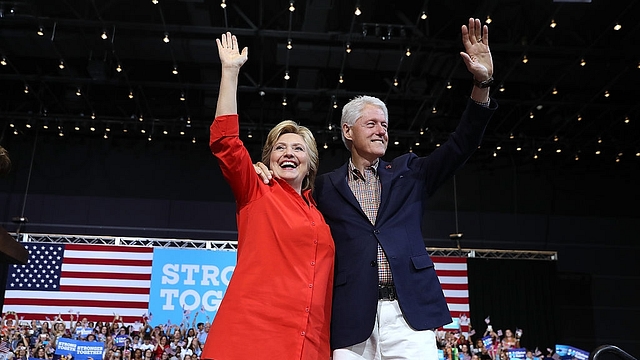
x=368, y=136
x=290, y=151
x=289, y=159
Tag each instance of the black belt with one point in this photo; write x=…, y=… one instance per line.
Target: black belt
x=387, y=292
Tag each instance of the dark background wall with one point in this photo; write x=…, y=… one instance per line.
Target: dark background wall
x=586, y=212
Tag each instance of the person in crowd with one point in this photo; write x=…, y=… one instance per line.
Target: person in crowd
x=162, y=344
x=375, y=208
x=463, y=352
x=278, y=302
x=509, y=341
x=137, y=354
x=146, y=343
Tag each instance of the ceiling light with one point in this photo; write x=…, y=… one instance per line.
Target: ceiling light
x=92, y=128
x=519, y=148
x=449, y=86
x=501, y=89
x=583, y=62
x=531, y=115
x=175, y=70
x=525, y=59
x=434, y=110
x=26, y=88
x=325, y=146
x=599, y=140
x=3, y=61
x=606, y=93
x=617, y=27
x=291, y=7
x=558, y=151
x=553, y=24
x=340, y=79
x=182, y=97
x=579, y=117
x=130, y=94
x=93, y=116
x=284, y=101
x=166, y=38
x=423, y=16
x=358, y=12
x=348, y=49
x=249, y=134
x=193, y=140
x=141, y=118
x=554, y=91
x=626, y=120
x=286, y=75
x=154, y=2
x=395, y=81
x=119, y=68
x=289, y=44
x=105, y=136
x=408, y=52
x=104, y=35
x=223, y=4
x=78, y=92
x=598, y=152
x=488, y=20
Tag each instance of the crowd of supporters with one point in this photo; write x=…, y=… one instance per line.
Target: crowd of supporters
x=24, y=340
x=36, y=339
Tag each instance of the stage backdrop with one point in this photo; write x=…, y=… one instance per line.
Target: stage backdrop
x=163, y=285
x=515, y=294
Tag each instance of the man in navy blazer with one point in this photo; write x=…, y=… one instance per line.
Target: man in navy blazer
x=387, y=298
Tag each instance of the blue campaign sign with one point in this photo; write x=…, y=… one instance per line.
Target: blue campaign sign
x=188, y=281
x=520, y=353
x=567, y=352
x=79, y=350
x=487, y=341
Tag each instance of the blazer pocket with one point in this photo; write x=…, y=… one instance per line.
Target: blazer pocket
x=422, y=261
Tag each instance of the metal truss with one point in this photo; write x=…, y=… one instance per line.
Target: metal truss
x=128, y=241
x=494, y=254
x=233, y=245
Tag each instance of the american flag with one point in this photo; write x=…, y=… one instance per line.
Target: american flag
x=452, y=273
x=94, y=281
x=4, y=347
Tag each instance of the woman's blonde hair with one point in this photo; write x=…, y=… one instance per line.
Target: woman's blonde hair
x=290, y=127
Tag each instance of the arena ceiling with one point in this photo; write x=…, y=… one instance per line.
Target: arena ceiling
x=102, y=69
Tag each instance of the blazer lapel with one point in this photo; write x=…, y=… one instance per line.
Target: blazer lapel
x=385, y=173
x=339, y=181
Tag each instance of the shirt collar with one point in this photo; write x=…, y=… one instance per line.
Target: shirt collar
x=356, y=173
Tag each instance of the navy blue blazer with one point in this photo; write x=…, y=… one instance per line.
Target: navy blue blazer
x=407, y=181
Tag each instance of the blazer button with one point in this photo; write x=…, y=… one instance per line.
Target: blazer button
x=374, y=263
